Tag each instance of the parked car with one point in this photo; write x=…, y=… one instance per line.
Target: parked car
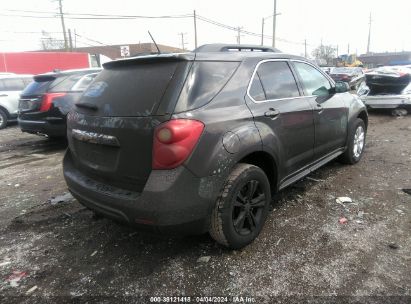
x=388, y=88
x=201, y=141
x=352, y=76
x=45, y=102
x=11, y=86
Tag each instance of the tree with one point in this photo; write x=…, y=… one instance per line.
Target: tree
x=50, y=43
x=324, y=53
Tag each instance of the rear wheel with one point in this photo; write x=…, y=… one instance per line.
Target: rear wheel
x=356, y=143
x=242, y=207
x=3, y=119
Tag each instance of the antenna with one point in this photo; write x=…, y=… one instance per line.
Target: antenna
x=158, y=49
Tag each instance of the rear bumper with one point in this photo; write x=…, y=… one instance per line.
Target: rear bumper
x=172, y=201
x=50, y=128
x=387, y=102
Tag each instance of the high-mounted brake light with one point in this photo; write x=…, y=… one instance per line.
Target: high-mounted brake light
x=48, y=100
x=174, y=141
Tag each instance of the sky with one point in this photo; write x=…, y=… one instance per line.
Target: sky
x=330, y=22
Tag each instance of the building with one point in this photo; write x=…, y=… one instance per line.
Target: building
x=127, y=50
x=373, y=60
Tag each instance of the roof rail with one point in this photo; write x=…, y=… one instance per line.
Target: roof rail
x=220, y=47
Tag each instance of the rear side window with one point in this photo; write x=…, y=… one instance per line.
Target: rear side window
x=203, y=83
x=314, y=82
x=12, y=84
x=64, y=84
x=132, y=90
x=277, y=82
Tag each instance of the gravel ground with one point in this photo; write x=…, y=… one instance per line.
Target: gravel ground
x=59, y=251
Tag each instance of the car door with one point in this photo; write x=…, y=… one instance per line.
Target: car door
x=330, y=115
x=283, y=116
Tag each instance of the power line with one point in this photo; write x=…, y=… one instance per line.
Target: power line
x=103, y=16
x=90, y=16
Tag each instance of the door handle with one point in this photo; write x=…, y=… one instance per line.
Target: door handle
x=318, y=108
x=272, y=113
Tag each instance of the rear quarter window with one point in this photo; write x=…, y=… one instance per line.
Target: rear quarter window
x=203, y=83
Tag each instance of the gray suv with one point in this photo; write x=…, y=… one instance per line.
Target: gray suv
x=201, y=141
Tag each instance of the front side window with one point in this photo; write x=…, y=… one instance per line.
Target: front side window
x=314, y=82
x=275, y=80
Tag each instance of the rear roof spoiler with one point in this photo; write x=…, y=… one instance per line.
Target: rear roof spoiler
x=219, y=47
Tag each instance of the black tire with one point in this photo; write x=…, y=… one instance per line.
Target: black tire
x=350, y=156
x=3, y=119
x=245, y=199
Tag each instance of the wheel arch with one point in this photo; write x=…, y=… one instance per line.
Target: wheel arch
x=5, y=111
x=364, y=116
x=265, y=162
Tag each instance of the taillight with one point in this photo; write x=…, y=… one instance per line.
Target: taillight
x=174, y=141
x=48, y=99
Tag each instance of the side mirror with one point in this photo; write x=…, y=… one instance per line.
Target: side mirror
x=341, y=87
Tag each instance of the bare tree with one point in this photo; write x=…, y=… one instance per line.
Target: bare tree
x=324, y=53
x=50, y=43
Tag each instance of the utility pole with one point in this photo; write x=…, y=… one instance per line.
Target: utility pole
x=348, y=51
x=239, y=35
x=70, y=40
x=369, y=35
x=274, y=21
x=182, y=40
x=337, y=50
x=195, y=29
x=305, y=48
x=62, y=24
x=75, y=39
x=262, y=31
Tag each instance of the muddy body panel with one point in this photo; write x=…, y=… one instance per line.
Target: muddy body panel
x=171, y=200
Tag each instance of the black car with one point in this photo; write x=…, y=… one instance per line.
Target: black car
x=201, y=141
x=351, y=75
x=45, y=102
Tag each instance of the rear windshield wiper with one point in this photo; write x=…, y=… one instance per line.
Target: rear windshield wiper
x=86, y=105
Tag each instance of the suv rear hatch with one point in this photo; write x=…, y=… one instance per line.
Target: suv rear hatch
x=111, y=131
x=32, y=96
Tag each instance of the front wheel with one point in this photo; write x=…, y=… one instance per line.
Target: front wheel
x=356, y=143
x=242, y=207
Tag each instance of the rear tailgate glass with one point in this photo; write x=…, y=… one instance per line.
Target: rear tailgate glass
x=37, y=87
x=133, y=90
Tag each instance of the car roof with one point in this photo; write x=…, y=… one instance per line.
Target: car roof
x=70, y=72
x=211, y=52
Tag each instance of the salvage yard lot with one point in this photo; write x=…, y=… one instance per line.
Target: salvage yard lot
x=303, y=250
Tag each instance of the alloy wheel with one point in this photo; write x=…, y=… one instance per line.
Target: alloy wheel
x=359, y=140
x=248, y=208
